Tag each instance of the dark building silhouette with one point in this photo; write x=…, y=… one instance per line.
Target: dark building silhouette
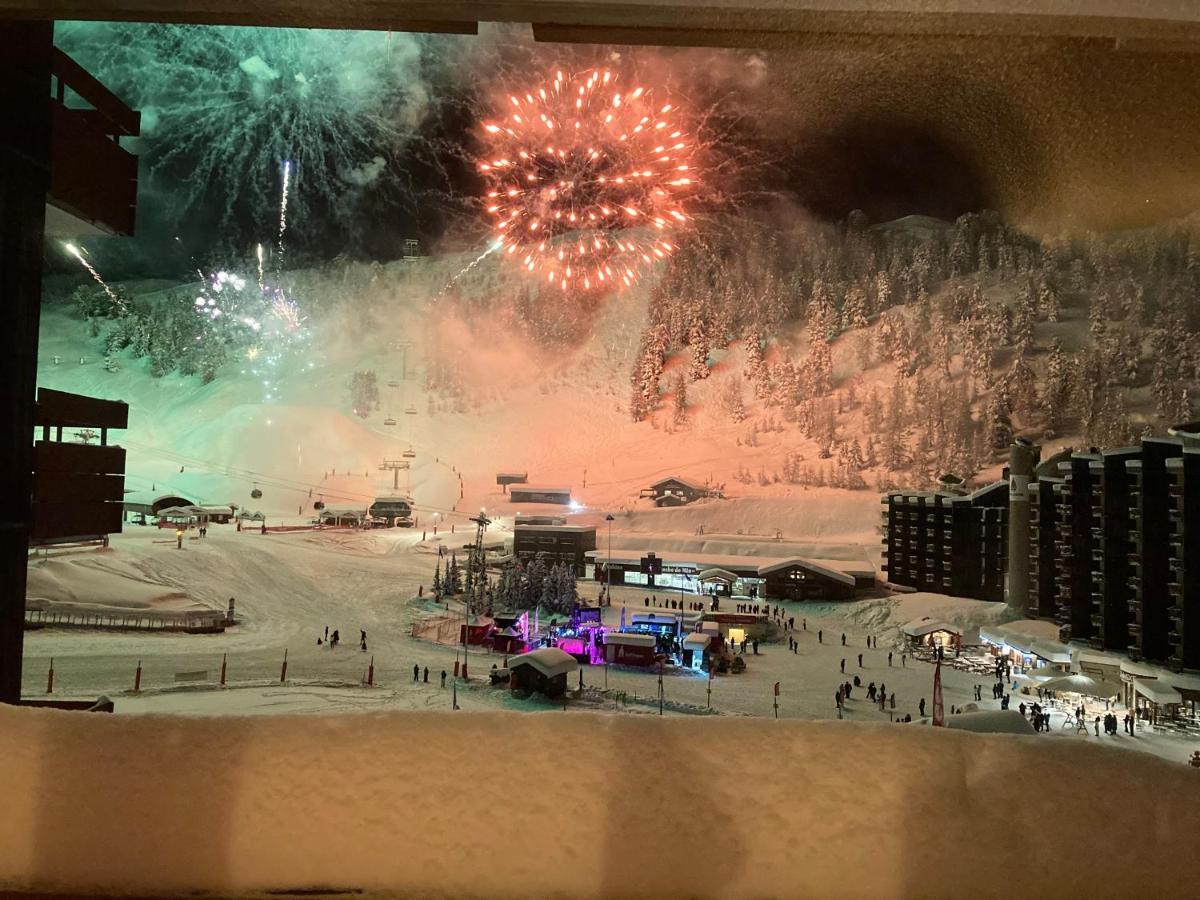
x=555, y=543
x=1183, y=615
x=947, y=542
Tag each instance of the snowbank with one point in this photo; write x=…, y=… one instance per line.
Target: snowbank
x=432, y=804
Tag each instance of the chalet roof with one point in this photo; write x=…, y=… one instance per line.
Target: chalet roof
x=528, y=488
x=549, y=661
x=631, y=639
x=926, y=625
x=684, y=481
x=800, y=562
x=715, y=574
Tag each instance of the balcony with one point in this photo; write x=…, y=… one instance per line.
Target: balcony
x=93, y=179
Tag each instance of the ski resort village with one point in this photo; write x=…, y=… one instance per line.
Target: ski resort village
x=627, y=434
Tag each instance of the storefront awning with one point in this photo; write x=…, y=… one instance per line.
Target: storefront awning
x=1157, y=692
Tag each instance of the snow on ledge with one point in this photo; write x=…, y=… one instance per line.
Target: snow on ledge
x=423, y=803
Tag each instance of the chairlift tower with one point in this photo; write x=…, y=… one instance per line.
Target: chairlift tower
x=395, y=466
x=477, y=563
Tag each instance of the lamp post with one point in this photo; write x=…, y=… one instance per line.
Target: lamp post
x=608, y=568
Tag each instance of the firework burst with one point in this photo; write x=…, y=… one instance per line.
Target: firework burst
x=588, y=181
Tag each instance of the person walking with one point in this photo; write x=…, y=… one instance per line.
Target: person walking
x=904, y=660
x=843, y=639
x=416, y=672
x=843, y=665
x=334, y=639
x=327, y=634
x=425, y=676
x=921, y=707
x=804, y=624
x=820, y=636
x=860, y=661
x=889, y=657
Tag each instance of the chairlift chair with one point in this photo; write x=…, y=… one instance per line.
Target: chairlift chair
x=409, y=454
x=393, y=383
x=389, y=421
x=256, y=493
x=411, y=411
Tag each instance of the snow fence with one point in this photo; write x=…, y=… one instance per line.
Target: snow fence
x=573, y=804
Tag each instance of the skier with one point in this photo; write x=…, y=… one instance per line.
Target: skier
x=363, y=643
x=326, y=633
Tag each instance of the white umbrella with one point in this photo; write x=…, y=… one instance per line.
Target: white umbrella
x=1082, y=684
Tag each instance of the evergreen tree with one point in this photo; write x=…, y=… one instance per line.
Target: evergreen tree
x=111, y=363
x=698, y=345
x=680, y=414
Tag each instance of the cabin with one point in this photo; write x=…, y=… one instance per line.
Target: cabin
x=544, y=670
x=676, y=491
x=631, y=649
x=803, y=579
x=395, y=511
x=557, y=496
x=929, y=632
x=342, y=515
x=695, y=650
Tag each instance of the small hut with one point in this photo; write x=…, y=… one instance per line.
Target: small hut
x=544, y=670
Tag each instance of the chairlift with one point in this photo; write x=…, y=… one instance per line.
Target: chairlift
x=409, y=454
x=256, y=493
x=389, y=421
x=393, y=383
x=411, y=411
x=319, y=505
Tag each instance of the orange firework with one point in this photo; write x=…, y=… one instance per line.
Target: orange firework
x=587, y=181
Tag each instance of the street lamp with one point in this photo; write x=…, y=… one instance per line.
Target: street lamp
x=608, y=568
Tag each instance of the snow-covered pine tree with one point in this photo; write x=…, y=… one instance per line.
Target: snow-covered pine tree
x=698, y=348
x=679, y=401
x=731, y=398
x=111, y=363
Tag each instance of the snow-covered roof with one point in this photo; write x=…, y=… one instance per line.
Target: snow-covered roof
x=697, y=641
x=715, y=574
x=740, y=566
x=1157, y=691
x=177, y=512
x=537, y=488
x=925, y=625
x=684, y=481
x=631, y=639
x=659, y=616
x=567, y=529
x=808, y=564
x=550, y=661
x=1082, y=684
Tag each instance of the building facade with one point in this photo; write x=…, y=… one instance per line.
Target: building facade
x=559, y=543
x=946, y=542
x=1121, y=522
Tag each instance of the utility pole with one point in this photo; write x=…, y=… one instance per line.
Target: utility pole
x=476, y=561
x=608, y=567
